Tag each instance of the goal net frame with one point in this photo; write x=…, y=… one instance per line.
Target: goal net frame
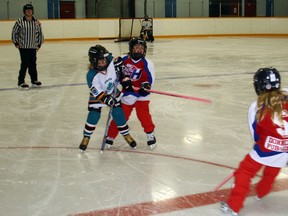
x=129, y=28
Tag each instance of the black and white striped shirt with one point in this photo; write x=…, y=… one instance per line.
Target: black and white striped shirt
x=27, y=34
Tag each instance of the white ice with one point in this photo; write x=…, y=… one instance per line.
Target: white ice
x=43, y=173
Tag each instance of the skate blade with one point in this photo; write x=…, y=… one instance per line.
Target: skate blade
x=108, y=146
x=23, y=89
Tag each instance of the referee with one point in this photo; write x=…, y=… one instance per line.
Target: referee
x=27, y=37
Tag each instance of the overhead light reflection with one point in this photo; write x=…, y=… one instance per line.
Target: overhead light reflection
x=163, y=193
x=192, y=137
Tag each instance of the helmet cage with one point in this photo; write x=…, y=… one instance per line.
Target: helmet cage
x=266, y=79
x=97, y=53
x=132, y=43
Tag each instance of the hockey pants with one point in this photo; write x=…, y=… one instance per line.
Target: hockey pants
x=247, y=169
x=143, y=114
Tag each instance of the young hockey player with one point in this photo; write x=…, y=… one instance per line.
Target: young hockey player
x=147, y=29
x=139, y=73
x=268, y=125
x=102, y=80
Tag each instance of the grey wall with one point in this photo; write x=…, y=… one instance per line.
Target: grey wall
x=12, y=9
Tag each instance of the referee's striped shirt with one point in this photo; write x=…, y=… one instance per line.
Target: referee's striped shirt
x=28, y=34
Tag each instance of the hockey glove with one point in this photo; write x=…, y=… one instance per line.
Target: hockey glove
x=118, y=97
x=118, y=64
x=143, y=89
x=108, y=100
x=127, y=84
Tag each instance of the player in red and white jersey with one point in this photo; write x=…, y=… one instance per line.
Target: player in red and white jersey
x=139, y=74
x=268, y=123
x=271, y=137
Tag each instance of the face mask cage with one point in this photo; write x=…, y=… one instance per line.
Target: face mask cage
x=95, y=64
x=137, y=56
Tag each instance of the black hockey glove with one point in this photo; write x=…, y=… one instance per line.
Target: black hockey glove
x=118, y=64
x=108, y=100
x=118, y=97
x=143, y=89
x=127, y=84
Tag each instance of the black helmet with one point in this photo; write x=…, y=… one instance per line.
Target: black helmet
x=96, y=53
x=266, y=79
x=27, y=6
x=132, y=43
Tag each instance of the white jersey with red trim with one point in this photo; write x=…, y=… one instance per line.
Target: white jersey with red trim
x=270, y=136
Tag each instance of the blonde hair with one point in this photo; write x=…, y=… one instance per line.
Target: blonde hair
x=271, y=101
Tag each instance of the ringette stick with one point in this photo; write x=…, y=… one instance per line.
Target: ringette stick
x=224, y=182
x=176, y=95
x=108, y=120
x=106, y=128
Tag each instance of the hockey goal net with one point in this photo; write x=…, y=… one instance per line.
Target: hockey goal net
x=128, y=28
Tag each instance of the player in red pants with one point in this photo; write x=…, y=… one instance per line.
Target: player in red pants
x=139, y=73
x=268, y=125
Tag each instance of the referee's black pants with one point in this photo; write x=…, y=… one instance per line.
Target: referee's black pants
x=28, y=60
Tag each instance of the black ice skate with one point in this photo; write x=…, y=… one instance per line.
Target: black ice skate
x=151, y=140
x=23, y=86
x=109, y=142
x=36, y=84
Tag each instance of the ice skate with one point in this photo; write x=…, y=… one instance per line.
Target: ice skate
x=109, y=142
x=130, y=141
x=36, y=84
x=151, y=140
x=225, y=208
x=23, y=86
x=84, y=143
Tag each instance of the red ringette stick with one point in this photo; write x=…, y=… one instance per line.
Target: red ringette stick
x=176, y=95
x=223, y=182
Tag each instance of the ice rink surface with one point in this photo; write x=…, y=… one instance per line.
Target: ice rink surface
x=43, y=172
